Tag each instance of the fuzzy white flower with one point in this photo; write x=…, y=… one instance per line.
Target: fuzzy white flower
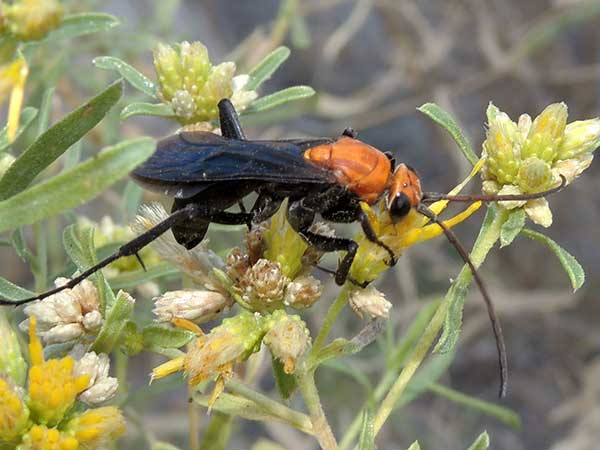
x=67, y=315
x=101, y=387
x=197, y=306
x=369, y=302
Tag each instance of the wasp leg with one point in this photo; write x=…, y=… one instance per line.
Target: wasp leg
x=265, y=206
x=230, y=122
x=190, y=213
x=301, y=217
x=367, y=228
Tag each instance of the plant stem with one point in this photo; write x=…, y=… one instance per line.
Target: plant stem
x=334, y=310
x=193, y=422
x=321, y=428
x=488, y=236
x=121, y=369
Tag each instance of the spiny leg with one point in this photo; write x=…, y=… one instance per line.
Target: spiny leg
x=189, y=213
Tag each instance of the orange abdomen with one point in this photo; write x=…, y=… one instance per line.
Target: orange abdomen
x=363, y=169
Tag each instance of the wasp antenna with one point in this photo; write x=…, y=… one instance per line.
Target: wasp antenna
x=430, y=197
x=128, y=249
x=496, y=326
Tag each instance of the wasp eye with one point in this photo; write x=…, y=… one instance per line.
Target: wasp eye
x=399, y=207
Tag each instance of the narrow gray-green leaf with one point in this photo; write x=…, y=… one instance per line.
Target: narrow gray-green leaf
x=414, y=446
x=147, y=109
x=137, y=79
x=280, y=98
x=76, y=186
x=264, y=69
x=441, y=117
x=512, y=227
x=570, y=264
x=505, y=415
x=481, y=443
x=10, y=291
x=27, y=116
x=75, y=25
x=132, y=197
x=55, y=141
x=366, y=441
x=300, y=35
x=155, y=335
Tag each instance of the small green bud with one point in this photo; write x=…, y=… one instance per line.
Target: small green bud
x=287, y=338
x=31, y=20
x=546, y=133
x=582, y=136
x=501, y=149
x=12, y=362
x=535, y=175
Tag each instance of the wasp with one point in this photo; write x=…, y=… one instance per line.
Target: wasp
x=207, y=174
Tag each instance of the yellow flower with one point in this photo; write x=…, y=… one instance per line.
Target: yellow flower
x=370, y=260
x=12, y=82
x=53, y=387
x=14, y=415
x=97, y=427
x=42, y=438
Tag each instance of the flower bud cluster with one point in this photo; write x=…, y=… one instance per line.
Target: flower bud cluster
x=531, y=156
x=101, y=387
x=193, y=86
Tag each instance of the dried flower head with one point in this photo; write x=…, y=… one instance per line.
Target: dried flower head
x=237, y=264
x=287, y=338
x=214, y=354
x=263, y=285
x=68, y=315
x=531, y=156
x=193, y=86
x=101, y=387
x=303, y=292
x=194, y=305
x=369, y=302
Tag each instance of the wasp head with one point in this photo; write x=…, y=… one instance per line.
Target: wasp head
x=404, y=192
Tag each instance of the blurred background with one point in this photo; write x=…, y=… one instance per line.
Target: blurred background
x=372, y=63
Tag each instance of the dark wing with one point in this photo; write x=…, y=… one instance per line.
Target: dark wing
x=200, y=157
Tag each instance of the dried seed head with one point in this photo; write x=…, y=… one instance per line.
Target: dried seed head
x=369, y=302
x=264, y=284
x=287, y=338
x=196, y=306
x=303, y=292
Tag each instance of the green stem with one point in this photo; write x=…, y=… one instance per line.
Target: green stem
x=488, y=236
x=121, y=369
x=321, y=428
x=41, y=241
x=334, y=310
